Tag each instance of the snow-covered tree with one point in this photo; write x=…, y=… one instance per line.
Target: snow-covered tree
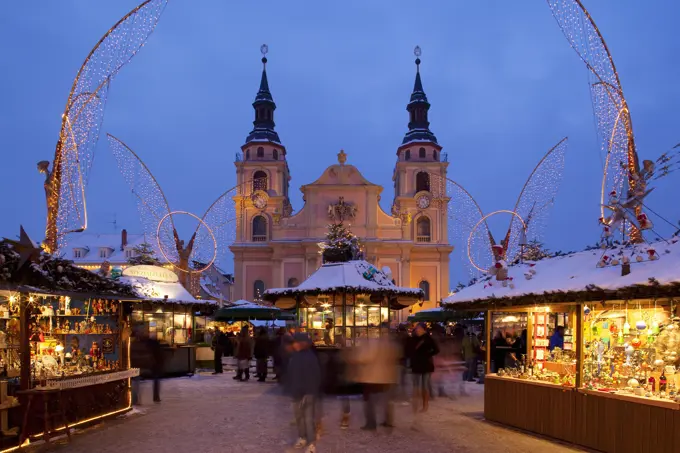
x=535, y=251
x=144, y=254
x=340, y=244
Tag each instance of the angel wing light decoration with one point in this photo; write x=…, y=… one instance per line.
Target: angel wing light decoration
x=468, y=224
x=214, y=232
x=82, y=119
x=624, y=182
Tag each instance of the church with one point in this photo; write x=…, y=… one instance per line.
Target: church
x=276, y=247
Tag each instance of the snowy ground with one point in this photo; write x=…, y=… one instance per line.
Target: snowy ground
x=210, y=414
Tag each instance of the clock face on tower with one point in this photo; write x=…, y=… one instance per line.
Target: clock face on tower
x=423, y=202
x=259, y=200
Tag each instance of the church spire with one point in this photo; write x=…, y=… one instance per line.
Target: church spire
x=264, y=106
x=418, y=126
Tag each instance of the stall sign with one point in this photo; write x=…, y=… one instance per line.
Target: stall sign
x=153, y=273
x=108, y=345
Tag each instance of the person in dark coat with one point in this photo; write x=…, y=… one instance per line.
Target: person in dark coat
x=244, y=352
x=155, y=352
x=422, y=349
x=261, y=353
x=303, y=384
x=277, y=352
x=219, y=345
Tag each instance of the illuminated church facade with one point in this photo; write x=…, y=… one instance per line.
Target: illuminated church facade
x=276, y=247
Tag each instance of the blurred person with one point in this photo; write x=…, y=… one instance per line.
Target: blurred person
x=261, y=353
x=244, y=353
x=277, y=352
x=218, y=344
x=303, y=384
x=375, y=366
x=155, y=353
x=557, y=339
x=498, y=351
x=328, y=333
x=403, y=339
x=470, y=348
x=422, y=348
x=441, y=363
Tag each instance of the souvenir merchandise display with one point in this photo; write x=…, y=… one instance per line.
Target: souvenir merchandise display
x=168, y=323
x=632, y=349
x=10, y=364
x=73, y=338
x=363, y=320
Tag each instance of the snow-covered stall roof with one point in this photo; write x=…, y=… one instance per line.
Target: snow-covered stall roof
x=157, y=291
x=580, y=272
x=350, y=277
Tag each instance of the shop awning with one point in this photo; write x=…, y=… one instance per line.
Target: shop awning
x=251, y=311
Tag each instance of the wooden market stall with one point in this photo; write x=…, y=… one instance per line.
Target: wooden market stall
x=583, y=353
x=170, y=314
x=342, y=303
x=64, y=342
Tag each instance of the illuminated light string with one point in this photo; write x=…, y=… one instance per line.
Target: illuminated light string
x=163, y=246
x=216, y=226
x=82, y=119
x=483, y=220
x=466, y=230
x=621, y=169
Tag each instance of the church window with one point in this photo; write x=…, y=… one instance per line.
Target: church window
x=260, y=181
x=423, y=229
x=247, y=154
x=434, y=154
x=422, y=181
x=260, y=152
x=407, y=155
x=275, y=153
x=259, y=229
x=425, y=286
x=293, y=282
x=422, y=153
x=258, y=289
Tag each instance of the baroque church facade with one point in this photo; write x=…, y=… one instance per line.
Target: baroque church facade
x=276, y=247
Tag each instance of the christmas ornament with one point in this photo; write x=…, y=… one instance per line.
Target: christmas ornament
x=641, y=325
x=635, y=342
x=626, y=328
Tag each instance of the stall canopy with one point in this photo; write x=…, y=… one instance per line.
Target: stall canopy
x=590, y=275
x=351, y=277
x=243, y=310
x=172, y=292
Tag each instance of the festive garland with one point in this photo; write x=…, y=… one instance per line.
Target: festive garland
x=55, y=274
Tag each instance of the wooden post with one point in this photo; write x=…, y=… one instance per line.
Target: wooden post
x=578, y=338
x=489, y=328
x=24, y=343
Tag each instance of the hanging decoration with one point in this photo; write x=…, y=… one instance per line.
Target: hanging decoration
x=81, y=121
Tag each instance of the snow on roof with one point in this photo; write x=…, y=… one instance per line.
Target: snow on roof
x=151, y=290
x=246, y=305
x=93, y=242
x=351, y=276
x=579, y=272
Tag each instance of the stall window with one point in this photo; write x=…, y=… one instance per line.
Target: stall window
x=425, y=286
x=258, y=289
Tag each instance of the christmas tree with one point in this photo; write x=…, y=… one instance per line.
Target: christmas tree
x=535, y=251
x=143, y=254
x=340, y=244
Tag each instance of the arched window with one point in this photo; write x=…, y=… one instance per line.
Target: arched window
x=259, y=229
x=422, y=153
x=425, y=286
x=423, y=229
x=407, y=155
x=247, y=154
x=275, y=153
x=434, y=154
x=260, y=180
x=293, y=282
x=260, y=152
x=422, y=181
x=258, y=289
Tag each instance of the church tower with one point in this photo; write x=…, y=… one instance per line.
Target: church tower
x=263, y=176
x=420, y=198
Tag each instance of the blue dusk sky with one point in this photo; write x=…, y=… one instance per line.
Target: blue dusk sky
x=503, y=83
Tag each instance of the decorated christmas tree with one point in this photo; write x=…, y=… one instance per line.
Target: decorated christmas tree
x=144, y=254
x=340, y=244
x=535, y=251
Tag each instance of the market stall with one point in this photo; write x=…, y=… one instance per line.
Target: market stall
x=64, y=339
x=169, y=314
x=592, y=356
x=342, y=303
